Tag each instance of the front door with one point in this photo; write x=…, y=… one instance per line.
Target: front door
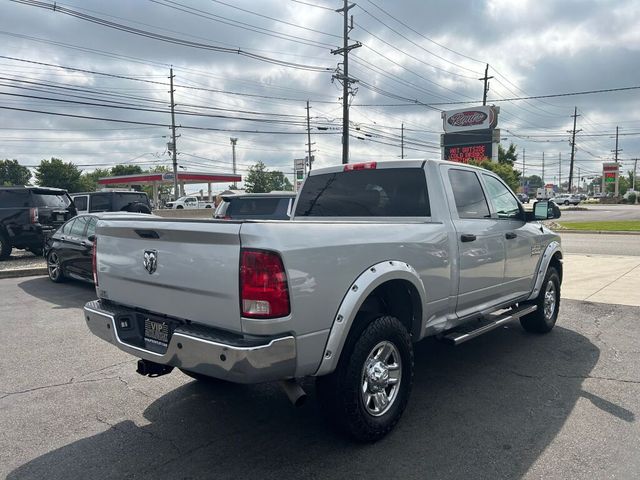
x=480, y=241
x=520, y=237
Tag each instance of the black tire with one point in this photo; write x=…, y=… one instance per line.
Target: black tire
x=5, y=247
x=179, y=207
x=38, y=251
x=566, y=202
x=544, y=318
x=54, y=268
x=348, y=395
x=201, y=378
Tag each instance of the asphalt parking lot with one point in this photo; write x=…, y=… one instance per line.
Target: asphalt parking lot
x=506, y=405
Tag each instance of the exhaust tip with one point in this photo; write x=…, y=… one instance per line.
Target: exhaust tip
x=297, y=396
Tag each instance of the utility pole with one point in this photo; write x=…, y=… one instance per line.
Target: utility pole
x=402, y=141
x=543, y=167
x=344, y=77
x=486, y=79
x=633, y=182
x=309, y=158
x=560, y=171
x=233, y=152
x=617, y=150
x=523, y=164
x=573, y=146
x=173, y=137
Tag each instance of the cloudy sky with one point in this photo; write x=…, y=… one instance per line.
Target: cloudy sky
x=246, y=68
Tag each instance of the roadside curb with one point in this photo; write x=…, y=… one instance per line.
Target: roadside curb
x=23, y=272
x=603, y=232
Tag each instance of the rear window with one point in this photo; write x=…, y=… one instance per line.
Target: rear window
x=121, y=200
x=393, y=192
x=14, y=198
x=80, y=202
x=51, y=200
x=253, y=206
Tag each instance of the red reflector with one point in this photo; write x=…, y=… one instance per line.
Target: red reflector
x=264, y=292
x=360, y=166
x=94, y=261
x=33, y=215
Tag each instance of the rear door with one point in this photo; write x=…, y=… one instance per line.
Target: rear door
x=480, y=242
x=75, y=246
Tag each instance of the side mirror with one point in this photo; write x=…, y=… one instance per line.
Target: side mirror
x=545, y=210
x=91, y=238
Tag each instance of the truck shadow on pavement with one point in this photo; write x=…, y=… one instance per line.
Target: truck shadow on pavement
x=70, y=294
x=487, y=409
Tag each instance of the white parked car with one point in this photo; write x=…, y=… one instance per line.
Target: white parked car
x=567, y=199
x=189, y=202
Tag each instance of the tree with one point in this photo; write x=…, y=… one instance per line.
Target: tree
x=507, y=156
x=125, y=170
x=260, y=180
x=89, y=181
x=504, y=170
x=279, y=181
x=534, y=182
x=12, y=173
x=56, y=173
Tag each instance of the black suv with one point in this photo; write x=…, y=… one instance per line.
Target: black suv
x=29, y=215
x=255, y=206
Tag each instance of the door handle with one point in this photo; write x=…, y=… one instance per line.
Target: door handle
x=510, y=235
x=467, y=237
x=85, y=244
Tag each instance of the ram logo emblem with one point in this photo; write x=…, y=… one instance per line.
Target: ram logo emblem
x=150, y=260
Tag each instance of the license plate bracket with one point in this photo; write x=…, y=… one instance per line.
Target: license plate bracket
x=157, y=334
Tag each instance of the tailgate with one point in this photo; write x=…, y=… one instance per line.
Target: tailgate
x=196, y=271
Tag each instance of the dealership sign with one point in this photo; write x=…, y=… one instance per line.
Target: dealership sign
x=471, y=118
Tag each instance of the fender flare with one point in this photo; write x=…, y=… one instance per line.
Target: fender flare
x=358, y=292
x=543, y=266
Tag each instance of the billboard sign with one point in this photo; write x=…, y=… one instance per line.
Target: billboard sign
x=471, y=118
x=465, y=153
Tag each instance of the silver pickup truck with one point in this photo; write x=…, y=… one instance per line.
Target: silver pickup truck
x=376, y=257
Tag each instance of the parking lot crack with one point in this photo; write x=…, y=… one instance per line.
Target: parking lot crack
x=595, y=377
x=71, y=381
x=143, y=431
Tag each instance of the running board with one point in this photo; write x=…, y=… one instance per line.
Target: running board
x=458, y=337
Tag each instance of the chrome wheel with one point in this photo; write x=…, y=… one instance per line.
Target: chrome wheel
x=381, y=376
x=549, y=300
x=53, y=265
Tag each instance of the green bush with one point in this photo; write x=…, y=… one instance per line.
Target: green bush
x=632, y=198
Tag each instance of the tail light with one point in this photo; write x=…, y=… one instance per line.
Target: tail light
x=33, y=215
x=94, y=261
x=264, y=292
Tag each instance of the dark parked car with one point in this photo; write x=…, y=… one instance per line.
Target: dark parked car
x=115, y=201
x=69, y=250
x=255, y=206
x=29, y=215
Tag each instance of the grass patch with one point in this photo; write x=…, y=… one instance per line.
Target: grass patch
x=619, y=226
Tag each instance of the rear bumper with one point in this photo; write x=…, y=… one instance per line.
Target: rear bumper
x=197, y=350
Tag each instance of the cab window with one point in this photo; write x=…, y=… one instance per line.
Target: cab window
x=503, y=200
x=468, y=194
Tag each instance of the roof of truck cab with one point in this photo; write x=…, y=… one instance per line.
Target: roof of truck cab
x=406, y=163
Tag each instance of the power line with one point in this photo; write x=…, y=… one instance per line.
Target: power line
x=168, y=39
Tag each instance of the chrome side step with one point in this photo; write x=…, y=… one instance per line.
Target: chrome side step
x=457, y=337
